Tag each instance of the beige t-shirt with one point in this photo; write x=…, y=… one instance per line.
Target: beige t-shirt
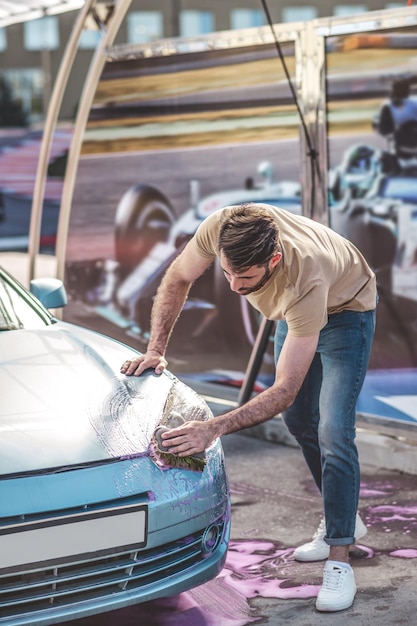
x=320, y=272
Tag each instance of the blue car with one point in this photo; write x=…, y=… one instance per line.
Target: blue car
x=89, y=522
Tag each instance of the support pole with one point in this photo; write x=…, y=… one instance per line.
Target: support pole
x=49, y=129
x=90, y=86
x=255, y=360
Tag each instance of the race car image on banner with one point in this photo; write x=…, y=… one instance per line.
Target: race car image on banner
x=171, y=138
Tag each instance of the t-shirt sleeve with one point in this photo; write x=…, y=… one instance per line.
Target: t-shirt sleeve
x=206, y=236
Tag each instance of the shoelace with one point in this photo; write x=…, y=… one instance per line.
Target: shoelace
x=333, y=579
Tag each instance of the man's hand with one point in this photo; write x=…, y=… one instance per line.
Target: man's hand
x=192, y=437
x=138, y=364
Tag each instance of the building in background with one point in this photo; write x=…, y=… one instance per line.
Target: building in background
x=30, y=52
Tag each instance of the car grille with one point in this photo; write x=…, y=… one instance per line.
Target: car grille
x=68, y=583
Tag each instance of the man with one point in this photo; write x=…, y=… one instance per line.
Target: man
x=322, y=291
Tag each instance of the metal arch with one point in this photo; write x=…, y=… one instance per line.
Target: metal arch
x=13, y=12
x=310, y=78
x=49, y=129
x=87, y=95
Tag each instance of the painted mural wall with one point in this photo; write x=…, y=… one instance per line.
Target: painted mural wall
x=173, y=137
x=175, y=134
x=168, y=142
x=372, y=131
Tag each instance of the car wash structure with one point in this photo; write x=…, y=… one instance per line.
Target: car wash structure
x=317, y=117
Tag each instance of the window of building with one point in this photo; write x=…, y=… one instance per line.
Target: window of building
x=3, y=39
x=41, y=34
x=144, y=26
x=349, y=9
x=299, y=14
x=246, y=18
x=89, y=39
x=27, y=86
x=194, y=23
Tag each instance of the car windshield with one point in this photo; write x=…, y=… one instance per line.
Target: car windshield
x=18, y=310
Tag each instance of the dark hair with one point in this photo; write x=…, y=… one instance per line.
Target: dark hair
x=248, y=236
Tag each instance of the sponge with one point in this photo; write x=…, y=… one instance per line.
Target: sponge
x=167, y=460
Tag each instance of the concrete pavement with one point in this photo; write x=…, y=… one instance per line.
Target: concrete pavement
x=275, y=507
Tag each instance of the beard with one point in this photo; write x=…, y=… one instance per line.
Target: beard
x=245, y=291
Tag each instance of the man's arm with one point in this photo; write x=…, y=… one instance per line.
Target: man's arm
x=170, y=298
x=293, y=364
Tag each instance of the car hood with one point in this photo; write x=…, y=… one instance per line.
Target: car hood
x=64, y=401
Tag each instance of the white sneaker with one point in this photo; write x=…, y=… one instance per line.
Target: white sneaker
x=317, y=549
x=338, y=589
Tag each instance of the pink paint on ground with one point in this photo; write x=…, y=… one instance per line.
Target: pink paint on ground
x=389, y=508
x=368, y=551
x=404, y=554
x=250, y=568
x=372, y=493
x=391, y=513
x=376, y=490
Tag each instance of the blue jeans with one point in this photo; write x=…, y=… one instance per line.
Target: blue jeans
x=322, y=418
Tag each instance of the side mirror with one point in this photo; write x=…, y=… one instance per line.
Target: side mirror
x=49, y=291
